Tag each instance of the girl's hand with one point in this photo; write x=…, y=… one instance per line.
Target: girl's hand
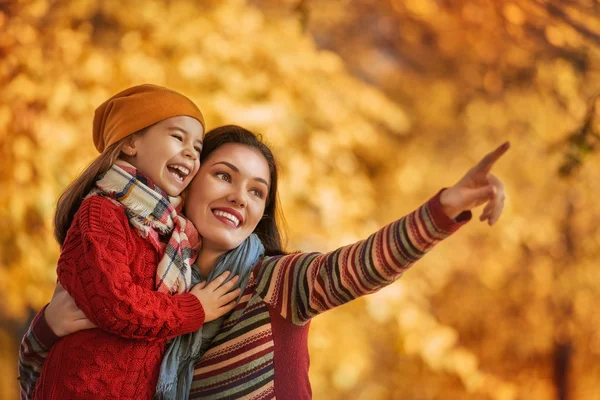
x=63, y=316
x=478, y=187
x=216, y=298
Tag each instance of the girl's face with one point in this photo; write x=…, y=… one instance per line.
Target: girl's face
x=227, y=198
x=168, y=153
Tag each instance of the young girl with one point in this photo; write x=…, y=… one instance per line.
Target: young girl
x=115, y=224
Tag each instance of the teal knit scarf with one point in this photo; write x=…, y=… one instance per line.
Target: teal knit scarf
x=182, y=353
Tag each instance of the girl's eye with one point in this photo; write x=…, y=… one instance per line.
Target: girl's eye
x=258, y=193
x=224, y=176
x=178, y=137
x=198, y=149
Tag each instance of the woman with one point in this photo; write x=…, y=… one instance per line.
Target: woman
x=261, y=349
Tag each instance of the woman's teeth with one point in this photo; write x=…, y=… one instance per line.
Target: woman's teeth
x=230, y=217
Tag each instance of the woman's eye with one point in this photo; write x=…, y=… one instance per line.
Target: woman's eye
x=198, y=149
x=258, y=193
x=223, y=176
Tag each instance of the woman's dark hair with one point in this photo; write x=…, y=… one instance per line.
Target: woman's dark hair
x=268, y=229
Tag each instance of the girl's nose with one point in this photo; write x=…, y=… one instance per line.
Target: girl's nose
x=190, y=153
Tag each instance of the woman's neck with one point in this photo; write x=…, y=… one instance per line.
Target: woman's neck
x=206, y=261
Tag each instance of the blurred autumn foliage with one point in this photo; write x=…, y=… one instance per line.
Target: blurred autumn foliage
x=371, y=107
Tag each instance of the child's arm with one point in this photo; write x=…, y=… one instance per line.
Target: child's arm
x=94, y=267
x=61, y=317
x=301, y=286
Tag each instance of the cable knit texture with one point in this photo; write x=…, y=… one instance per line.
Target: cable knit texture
x=110, y=272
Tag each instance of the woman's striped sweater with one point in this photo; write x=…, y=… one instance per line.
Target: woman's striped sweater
x=261, y=351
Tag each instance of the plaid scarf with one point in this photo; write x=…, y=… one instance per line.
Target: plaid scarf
x=156, y=217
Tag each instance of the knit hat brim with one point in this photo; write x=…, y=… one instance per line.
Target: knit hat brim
x=137, y=108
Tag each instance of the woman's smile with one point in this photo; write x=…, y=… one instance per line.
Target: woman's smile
x=228, y=216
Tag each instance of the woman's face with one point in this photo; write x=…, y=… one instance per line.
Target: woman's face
x=227, y=198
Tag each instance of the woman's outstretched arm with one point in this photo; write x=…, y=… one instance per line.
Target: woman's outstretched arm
x=301, y=286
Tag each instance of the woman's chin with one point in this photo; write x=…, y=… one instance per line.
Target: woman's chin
x=220, y=245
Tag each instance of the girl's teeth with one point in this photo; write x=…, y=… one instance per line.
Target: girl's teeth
x=178, y=172
x=177, y=176
x=183, y=170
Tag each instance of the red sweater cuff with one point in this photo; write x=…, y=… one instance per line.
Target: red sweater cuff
x=442, y=221
x=42, y=331
x=193, y=312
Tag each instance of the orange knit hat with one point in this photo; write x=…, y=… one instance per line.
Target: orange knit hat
x=136, y=108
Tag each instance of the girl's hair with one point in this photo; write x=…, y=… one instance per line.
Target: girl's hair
x=70, y=200
x=268, y=229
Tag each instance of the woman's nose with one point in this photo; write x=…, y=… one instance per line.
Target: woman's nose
x=237, y=197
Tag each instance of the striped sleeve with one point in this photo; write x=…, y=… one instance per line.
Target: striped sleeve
x=33, y=352
x=303, y=285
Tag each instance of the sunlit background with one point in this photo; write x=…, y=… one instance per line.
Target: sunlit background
x=371, y=107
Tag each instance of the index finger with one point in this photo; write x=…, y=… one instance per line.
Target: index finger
x=487, y=162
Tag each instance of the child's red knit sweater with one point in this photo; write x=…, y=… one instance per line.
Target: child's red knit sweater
x=110, y=272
